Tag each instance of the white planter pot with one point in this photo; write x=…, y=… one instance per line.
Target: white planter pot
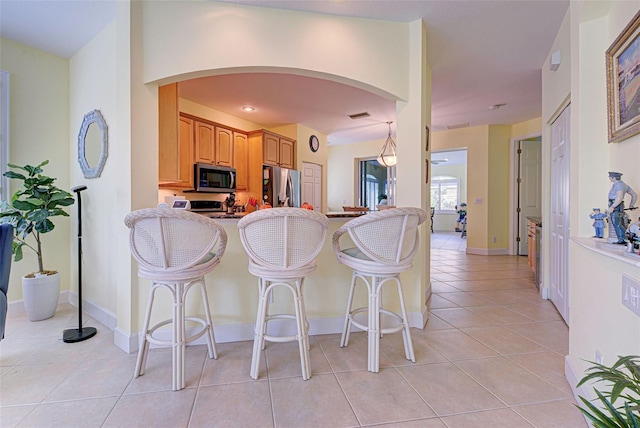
x=40, y=295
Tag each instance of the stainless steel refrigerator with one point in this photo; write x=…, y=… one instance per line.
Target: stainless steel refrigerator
x=281, y=187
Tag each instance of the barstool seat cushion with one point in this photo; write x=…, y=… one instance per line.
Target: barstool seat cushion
x=358, y=260
x=280, y=275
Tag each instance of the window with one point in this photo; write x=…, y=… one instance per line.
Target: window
x=445, y=192
x=374, y=182
x=4, y=135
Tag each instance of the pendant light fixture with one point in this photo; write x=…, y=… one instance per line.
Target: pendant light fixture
x=387, y=156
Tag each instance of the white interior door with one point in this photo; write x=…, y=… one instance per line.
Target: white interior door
x=312, y=185
x=530, y=188
x=559, y=222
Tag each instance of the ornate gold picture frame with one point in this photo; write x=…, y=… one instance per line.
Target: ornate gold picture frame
x=623, y=83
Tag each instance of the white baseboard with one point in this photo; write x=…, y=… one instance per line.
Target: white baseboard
x=129, y=343
x=488, y=251
x=544, y=292
x=95, y=311
x=573, y=377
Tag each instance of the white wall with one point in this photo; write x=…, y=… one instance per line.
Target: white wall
x=221, y=37
x=93, y=85
x=598, y=321
x=39, y=126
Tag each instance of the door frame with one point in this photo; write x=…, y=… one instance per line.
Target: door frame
x=513, y=199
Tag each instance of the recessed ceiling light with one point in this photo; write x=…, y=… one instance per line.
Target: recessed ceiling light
x=248, y=109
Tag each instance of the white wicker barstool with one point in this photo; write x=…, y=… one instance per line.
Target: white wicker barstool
x=282, y=244
x=385, y=244
x=175, y=249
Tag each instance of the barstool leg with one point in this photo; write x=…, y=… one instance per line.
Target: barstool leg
x=141, y=361
x=211, y=338
x=303, y=337
x=346, y=329
x=374, y=325
x=178, y=337
x=406, y=333
x=258, y=341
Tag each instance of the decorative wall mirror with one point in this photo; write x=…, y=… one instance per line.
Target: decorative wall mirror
x=93, y=144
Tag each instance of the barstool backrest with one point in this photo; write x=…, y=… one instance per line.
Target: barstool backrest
x=166, y=241
x=283, y=238
x=388, y=237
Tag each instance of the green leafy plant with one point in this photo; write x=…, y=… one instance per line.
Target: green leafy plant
x=619, y=406
x=31, y=208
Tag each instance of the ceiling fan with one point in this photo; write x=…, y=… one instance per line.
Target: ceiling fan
x=438, y=161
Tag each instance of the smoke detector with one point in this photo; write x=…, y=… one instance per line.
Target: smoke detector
x=497, y=106
x=359, y=115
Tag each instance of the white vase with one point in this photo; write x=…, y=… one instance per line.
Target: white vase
x=40, y=295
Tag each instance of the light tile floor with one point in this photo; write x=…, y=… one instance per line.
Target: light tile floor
x=448, y=241
x=491, y=355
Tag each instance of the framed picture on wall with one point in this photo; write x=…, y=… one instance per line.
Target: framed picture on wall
x=623, y=83
x=428, y=132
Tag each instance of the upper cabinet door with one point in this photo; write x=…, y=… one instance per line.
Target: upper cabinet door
x=204, y=143
x=186, y=153
x=286, y=153
x=241, y=160
x=224, y=147
x=271, y=150
x=169, y=146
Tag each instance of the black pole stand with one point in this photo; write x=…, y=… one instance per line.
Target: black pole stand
x=79, y=334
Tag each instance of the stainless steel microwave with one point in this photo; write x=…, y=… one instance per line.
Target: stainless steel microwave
x=215, y=179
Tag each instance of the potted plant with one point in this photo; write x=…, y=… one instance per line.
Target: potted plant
x=30, y=211
x=619, y=405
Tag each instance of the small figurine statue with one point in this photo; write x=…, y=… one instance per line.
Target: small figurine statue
x=598, y=223
x=633, y=235
x=462, y=213
x=616, y=204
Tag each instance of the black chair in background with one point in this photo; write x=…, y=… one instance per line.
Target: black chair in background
x=6, y=242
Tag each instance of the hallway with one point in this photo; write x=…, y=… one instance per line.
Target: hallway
x=491, y=355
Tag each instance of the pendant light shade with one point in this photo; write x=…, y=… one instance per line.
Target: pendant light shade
x=387, y=156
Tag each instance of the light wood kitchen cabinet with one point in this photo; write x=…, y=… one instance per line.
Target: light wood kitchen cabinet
x=204, y=143
x=278, y=150
x=287, y=154
x=224, y=147
x=241, y=160
x=213, y=144
x=175, y=142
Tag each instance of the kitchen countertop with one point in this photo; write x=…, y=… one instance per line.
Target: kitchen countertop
x=222, y=215
x=341, y=214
